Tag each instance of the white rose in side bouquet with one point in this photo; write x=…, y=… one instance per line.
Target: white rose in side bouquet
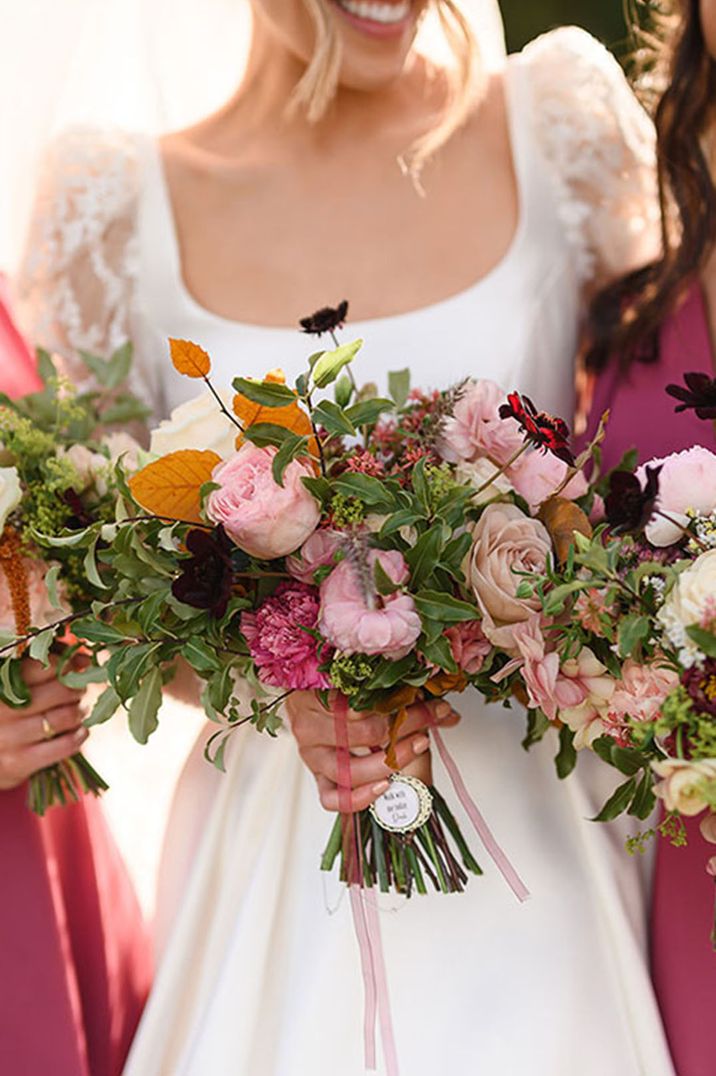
x=198, y=423
x=10, y=493
x=691, y=602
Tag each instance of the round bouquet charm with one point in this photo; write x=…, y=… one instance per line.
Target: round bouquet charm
x=405, y=806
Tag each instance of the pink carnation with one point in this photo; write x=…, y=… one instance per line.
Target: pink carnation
x=475, y=428
x=317, y=552
x=285, y=654
x=469, y=646
x=355, y=619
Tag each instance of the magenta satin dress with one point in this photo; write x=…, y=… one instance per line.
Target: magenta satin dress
x=683, y=963
x=74, y=955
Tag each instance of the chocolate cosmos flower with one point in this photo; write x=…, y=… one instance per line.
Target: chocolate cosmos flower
x=80, y=516
x=699, y=394
x=539, y=429
x=628, y=507
x=701, y=686
x=325, y=320
x=207, y=576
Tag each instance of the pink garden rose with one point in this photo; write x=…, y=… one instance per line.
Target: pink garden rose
x=536, y=476
x=475, y=428
x=285, y=654
x=469, y=645
x=687, y=480
x=264, y=519
x=505, y=542
x=42, y=611
x=356, y=620
x=316, y=552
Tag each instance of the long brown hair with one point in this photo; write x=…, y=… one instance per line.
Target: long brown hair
x=626, y=315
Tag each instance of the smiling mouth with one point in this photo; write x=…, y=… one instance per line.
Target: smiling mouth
x=376, y=12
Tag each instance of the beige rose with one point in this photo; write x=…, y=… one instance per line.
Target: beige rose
x=684, y=783
x=505, y=542
x=10, y=493
x=198, y=424
x=688, y=602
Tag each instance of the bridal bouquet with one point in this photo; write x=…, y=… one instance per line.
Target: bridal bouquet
x=56, y=477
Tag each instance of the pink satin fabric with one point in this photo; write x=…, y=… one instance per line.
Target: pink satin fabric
x=75, y=964
x=683, y=963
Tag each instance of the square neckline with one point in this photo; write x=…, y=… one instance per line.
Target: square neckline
x=171, y=252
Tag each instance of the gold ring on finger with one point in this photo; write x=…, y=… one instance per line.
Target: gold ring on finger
x=47, y=730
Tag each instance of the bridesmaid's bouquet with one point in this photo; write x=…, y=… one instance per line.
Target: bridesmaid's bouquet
x=57, y=467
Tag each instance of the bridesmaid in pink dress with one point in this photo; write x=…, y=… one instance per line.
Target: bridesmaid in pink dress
x=74, y=963
x=662, y=321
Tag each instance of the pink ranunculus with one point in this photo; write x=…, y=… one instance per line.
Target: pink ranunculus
x=318, y=551
x=264, y=519
x=536, y=476
x=356, y=620
x=42, y=611
x=640, y=693
x=687, y=480
x=475, y=428
x=285, y=654
x=468, y=645
x=505, y=543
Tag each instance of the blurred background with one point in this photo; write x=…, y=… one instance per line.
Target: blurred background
x=524, y=19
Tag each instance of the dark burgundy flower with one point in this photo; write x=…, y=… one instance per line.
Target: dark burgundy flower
x=325, y=320
x=699, y=394
x=701, y=686
x=539, y=429
x=628, y=506
x=207, y=576
x=80, y=516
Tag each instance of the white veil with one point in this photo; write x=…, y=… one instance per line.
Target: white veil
x=146, y=65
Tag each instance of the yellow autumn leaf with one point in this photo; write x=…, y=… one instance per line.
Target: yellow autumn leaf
x=189, y=359
x=170, y=487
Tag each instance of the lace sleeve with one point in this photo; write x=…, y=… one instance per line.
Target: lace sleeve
x=600, y=146
x=75, y=289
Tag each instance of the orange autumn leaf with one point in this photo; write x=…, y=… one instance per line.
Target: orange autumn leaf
x=562, y=518
x=170, y=487
x=291, y=417
x=189, y=359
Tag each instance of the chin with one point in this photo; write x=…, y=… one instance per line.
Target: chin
x=377, y=37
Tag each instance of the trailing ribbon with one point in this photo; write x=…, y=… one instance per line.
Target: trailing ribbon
x=366, y=920
x=482, y=829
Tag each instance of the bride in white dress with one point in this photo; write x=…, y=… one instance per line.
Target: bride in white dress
x=225, y=234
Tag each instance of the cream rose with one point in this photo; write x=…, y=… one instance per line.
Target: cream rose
x=683, y=785
x=689, y=603
x=505, y=542
x=480, y=472
x=10, y=493
x=198, y=424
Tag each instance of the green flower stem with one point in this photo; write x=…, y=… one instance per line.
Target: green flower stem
x=425, y=837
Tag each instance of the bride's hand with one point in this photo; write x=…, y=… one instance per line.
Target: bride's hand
x=47, y=730
x=314, y=730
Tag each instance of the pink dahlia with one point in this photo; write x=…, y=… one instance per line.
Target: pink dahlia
x=356, y=619
x=285, y=654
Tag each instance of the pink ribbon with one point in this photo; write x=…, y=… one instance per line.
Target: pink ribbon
x=482, y=829
x=366, y=920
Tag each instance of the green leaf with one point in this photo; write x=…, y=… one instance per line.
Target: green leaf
x=266, y=393
x=383, y=583
x=424, y=555
x=96, y=631
x=399, y=386
x=39, y=648
x=99, y=367
x=144, y=707
x=435, y=605
x=556, y=599
x=266, y=433
x=78, y=679
x=76, y=540
x=321, y=488
x=90, y=566
x=327, y=368
x=404, y=517
x=343, y=390
x=626, y=759
x=367, y=412
x=632, y=631
x=420, y=484
x=119, y=366
x=127, y=668
x=439, y=652
x=13, y=689
x=51, y=581
x=705, y=640
x=292, y=447
x=366, y=488
x=617, y=802
x=566, y=758
x=125, y=409
x=537, y=725
x=202, y=657
x=333, y=418
x=644, y=801
x=104, y=708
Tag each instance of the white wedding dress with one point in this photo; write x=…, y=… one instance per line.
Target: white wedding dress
x=260, y=971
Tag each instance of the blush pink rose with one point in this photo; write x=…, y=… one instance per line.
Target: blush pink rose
x=356, y=620
x=264, y=519
x=42, y=611
x=687, y=480
x=318, y=551
x=536, y=476
x=475, y=428
x=469, y=645
x=505, y=542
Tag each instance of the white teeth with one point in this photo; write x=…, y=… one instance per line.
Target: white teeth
x=376, y=12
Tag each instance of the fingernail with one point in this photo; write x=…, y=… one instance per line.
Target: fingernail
x=442, y=710
x=421, y=744
x=380, y=788
x=81, y=734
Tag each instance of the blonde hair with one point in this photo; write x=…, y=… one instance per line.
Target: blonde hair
x=318, y=86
